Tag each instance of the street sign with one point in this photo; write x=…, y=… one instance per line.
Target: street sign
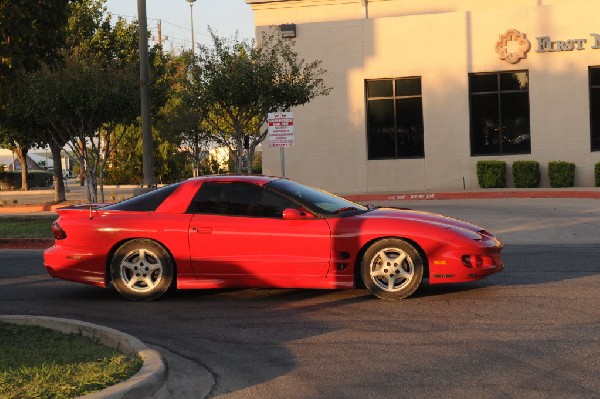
x=281, y=129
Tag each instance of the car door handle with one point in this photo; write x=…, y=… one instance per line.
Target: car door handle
x=202, y=230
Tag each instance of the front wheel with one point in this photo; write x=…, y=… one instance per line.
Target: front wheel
x=141, y=270
x=392, y=269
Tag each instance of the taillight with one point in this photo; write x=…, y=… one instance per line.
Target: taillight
x=472, y=261
x=58, y=232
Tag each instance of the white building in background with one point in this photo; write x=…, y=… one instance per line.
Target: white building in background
x=35, y=161
x=422, y=90
x=7, y=158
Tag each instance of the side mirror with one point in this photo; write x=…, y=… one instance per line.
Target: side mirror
x=296, y=214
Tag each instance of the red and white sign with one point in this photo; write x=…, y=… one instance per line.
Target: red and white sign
x=281, y=129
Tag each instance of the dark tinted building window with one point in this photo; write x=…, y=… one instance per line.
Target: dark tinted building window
x=239, y=199
x=500, y=113
x=595, y=107
x=394, y=118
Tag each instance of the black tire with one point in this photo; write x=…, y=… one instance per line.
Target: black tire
x=392, y=269
x=141, y=270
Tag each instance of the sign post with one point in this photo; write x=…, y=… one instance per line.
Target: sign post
x=281, y=133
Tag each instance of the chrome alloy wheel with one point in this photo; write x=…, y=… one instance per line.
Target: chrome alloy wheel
x=392, y=269
x=141, y=270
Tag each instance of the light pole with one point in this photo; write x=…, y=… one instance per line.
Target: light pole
x=148, y=146
x=192, y=22
x=195, y=166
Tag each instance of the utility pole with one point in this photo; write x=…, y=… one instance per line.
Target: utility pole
x=192, y=23
x=148, y=147
x=196, y=169
x=159, y=33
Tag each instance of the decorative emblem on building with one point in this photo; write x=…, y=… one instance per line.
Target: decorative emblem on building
x=513, y=46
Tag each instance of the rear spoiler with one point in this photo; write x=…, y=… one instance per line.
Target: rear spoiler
x=79, y=208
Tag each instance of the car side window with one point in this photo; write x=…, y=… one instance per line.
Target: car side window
x=239, y=199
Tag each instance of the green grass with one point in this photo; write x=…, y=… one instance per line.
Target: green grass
x=26, y=226
x=36, y=362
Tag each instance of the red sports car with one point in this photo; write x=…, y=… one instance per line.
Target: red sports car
x=258, y=231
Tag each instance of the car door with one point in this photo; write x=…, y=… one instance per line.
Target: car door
x=238, y=236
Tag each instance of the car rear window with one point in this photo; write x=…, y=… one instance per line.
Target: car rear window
x=147, y=202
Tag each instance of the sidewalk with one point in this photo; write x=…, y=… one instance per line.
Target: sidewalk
x=488, y=193
x=42, y=200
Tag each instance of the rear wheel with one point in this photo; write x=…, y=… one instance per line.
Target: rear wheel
x=141, y=270
x=392, y=269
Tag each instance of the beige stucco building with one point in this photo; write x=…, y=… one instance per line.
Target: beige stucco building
x=422, y=90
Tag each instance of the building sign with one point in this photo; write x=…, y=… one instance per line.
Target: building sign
x=546, y=45
x=281, y=129
x=513, y=46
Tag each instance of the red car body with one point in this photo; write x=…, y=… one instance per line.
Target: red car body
x=304, y=245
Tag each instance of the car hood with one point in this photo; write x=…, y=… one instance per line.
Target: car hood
x=423, y=217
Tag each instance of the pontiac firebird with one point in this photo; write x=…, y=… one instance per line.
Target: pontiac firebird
x=259, y=231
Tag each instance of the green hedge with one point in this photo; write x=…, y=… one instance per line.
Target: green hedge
x=491, y=174
x=526, y=174
x=597, y=174
x=36, y=178
x=561, y=174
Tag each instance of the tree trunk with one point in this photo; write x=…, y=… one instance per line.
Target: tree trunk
x=92, y=186
x=22, y=155
x=251, y=152
x=81, y=166
x=240, y=154
x=101, y=182
x=59, y=183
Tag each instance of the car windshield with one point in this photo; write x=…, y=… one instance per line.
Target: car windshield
x=315, y=199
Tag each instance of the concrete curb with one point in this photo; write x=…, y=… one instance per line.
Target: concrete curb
x=32, y=208
x=149, y=382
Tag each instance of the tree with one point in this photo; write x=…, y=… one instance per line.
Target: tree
x=235, y=85
x=126, y=161
x=31, y=34
x=93, y=41
x=174, y=119
x=173, y=124
x=95, y=89
x=82, y=110
x=12, y=123
x=12, y=139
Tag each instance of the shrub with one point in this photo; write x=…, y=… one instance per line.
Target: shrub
x=561, y=174
x=491, y=174
x=526, y=174
x=597, y=174
x=35, y=178
x=40, y=178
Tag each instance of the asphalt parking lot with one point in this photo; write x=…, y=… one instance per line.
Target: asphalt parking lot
x=528, y=332
x=544, y=221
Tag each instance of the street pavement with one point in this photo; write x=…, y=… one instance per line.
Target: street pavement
x=573, y=220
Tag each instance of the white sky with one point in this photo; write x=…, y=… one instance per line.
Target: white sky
x=225, y=17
